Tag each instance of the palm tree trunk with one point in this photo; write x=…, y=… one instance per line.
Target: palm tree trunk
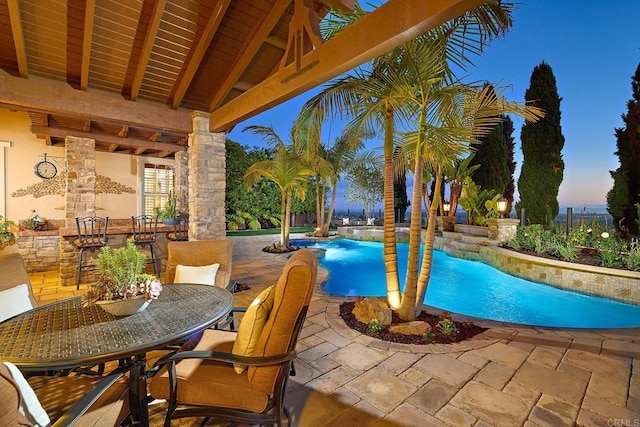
x=427, y=257
x=407, y=309
x=390, y=249
x=456, y=190
x=319, y=212
x=287, y=221
x=334, y=192
x=283, y=217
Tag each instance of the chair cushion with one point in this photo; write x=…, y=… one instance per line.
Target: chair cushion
x=252, y=324
x=210, y=383
x=14, y=301
x=202, y=275
x=30, y=405
x=292, y=293
x=10, y=400
x=198, y=253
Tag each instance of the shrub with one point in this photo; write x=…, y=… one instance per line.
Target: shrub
x=609, y=249
x=374, y=326
x=446, y=325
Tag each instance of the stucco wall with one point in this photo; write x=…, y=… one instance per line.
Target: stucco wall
x=26, y=150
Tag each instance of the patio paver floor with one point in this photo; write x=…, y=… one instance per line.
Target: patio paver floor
x=510, y=375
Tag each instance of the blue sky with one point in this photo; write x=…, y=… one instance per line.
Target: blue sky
x=593, y=48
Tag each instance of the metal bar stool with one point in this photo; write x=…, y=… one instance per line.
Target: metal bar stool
x=145, y=228
x=92, y=234
x=180, y=231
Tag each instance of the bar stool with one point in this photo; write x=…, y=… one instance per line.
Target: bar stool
x=180, y=231
x=145, y=228
x=92, y=234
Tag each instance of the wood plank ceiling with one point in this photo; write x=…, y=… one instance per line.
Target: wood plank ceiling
x=183, y=54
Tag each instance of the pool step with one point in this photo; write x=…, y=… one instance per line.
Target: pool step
x=462, y=244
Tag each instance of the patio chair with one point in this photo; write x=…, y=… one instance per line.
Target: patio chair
x=205, y=382
x=15, y=281
x=76, y=400
x=92, y=234
x=200, y=253
x=180, y=231
x=145, y=229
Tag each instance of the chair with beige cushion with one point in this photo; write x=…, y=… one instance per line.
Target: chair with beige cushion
x=201, y=253
x=16, y=293
x=65, y=400
x=211, y=380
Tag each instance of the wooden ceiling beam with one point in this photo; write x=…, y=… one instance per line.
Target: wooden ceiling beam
x=276, y=42
x=132, y=143
x=112, y=148
x=86, y=126
x=198, y=53
x=39, y=94
x=18, y=37
x=390, y=25
x=164, y=153
x=87, y=39
x=249, y=51
x=147, y=48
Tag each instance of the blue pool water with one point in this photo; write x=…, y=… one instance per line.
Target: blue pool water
x=471, y=288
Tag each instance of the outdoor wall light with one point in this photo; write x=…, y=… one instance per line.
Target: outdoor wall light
x=502, y=206
x=446, y=206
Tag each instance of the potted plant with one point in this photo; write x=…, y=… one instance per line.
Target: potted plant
x=122, y=288
x=169, y=213
x=7, y=232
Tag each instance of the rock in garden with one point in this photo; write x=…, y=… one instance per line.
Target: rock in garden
x=368, y=309
x=415, y=327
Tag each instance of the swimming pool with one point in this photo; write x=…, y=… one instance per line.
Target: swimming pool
x=470, y=288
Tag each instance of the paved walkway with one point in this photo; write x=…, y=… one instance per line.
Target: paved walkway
x=507, y=376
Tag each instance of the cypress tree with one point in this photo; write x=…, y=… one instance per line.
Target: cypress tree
x=625, y=193
x=507, y=126
x=400, y=199
x=492, y=154
x=542, y=142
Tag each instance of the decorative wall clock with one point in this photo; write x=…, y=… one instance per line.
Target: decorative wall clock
x=45, y=169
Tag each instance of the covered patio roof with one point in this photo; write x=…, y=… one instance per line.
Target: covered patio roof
x=128, y=73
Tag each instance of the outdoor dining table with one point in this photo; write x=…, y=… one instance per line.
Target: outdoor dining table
x=69, y=334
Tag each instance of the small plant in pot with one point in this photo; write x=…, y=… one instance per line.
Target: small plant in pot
x=122, y=281
x=169, y=214
x=7, y=232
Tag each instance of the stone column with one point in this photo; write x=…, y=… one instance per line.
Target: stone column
x=207, y=180
x=502, y=229
x=80, y=194
x=181, y=188
x=80, y=198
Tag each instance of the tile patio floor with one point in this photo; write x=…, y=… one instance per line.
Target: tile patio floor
x=507, y=376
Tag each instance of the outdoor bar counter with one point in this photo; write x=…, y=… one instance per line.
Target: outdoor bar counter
x=117, y=231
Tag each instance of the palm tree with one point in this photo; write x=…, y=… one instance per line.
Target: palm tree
x=450, y=118
x=286, y=170
x=414, y=85
x=456, y=175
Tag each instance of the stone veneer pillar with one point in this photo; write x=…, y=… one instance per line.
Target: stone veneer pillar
x=181, y=187
x=502, y=229
x=80, y=198
x=207, y=180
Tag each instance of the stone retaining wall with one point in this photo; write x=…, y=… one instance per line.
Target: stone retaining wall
x=620, y=285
